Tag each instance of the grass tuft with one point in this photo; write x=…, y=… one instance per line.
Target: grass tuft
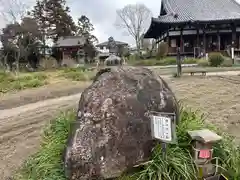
x=10, y=82
x=77, y=74
x=47, y=164
x=176, y=165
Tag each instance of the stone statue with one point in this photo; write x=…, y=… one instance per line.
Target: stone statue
x=113, y=59
x=112, y=46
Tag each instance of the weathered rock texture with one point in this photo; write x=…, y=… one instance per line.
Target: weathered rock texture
x=113, y=132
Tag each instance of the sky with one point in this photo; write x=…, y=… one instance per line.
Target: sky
x=102, y=14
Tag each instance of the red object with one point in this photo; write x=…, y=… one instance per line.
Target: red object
x=204, y=154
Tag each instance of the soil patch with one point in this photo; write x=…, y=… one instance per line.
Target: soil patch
x=217, y=97
x=20, y=130
x=50, y=91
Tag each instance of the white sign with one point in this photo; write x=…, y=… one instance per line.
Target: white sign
x=162, y=128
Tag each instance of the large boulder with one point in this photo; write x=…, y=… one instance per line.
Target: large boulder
x=112, y=132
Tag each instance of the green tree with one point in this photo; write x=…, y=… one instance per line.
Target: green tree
x=85, y=28
x=40, y=16
x=31, y=37
x=19, y=41
x=10, y=38
x=54, y=19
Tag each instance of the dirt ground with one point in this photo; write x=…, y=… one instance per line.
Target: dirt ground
x=217, y=97
x=50, y=91
x=20, y=130
x=20, y=127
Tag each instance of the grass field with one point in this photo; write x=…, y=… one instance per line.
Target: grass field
x=218, y=98
x=10, y=82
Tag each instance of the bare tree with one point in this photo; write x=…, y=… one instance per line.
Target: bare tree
x=135, y=19
x=145, y=43
x=149, y=45
x=13, y=10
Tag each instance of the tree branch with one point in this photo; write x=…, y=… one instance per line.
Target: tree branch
x=12, y=10
x=135, y=19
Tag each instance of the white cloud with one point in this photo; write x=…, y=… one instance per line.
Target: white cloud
x=102, y=13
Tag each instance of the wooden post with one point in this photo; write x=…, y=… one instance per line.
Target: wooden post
x=198, y=37
x=63, y=57
x=181, y=41
x=233, y=35
x=168, y=39
x=204, y=42
x=233, y=27
x=218, y=40
x=179, y=65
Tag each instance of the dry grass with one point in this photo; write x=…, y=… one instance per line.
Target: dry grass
x=172, y=70
x=216, y=97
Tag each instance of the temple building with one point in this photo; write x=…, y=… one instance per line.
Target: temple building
x=197, y=26
x=103, y=48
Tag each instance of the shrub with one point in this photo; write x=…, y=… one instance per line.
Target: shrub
x=39, y=76
x=78, y=69
x=162, y=50
x=169, y=61
x=215, y=59
x=161, y=62
x=177, y=164
x=155, y=62
x=203, y=62
x=148, y=62
x=134, y=57
x=190, y=61
x=77, y=74
x=227, y=62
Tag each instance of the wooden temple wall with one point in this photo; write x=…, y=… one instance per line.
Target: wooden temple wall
x=212, y=40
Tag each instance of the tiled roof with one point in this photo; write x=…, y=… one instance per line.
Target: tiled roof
x=69, y=41
x=184, y=11
x=199, y=10
x=106, y=43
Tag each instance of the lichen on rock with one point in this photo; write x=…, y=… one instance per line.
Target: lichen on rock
x=112, y=132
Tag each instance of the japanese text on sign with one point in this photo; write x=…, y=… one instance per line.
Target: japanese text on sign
x=162, y=128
